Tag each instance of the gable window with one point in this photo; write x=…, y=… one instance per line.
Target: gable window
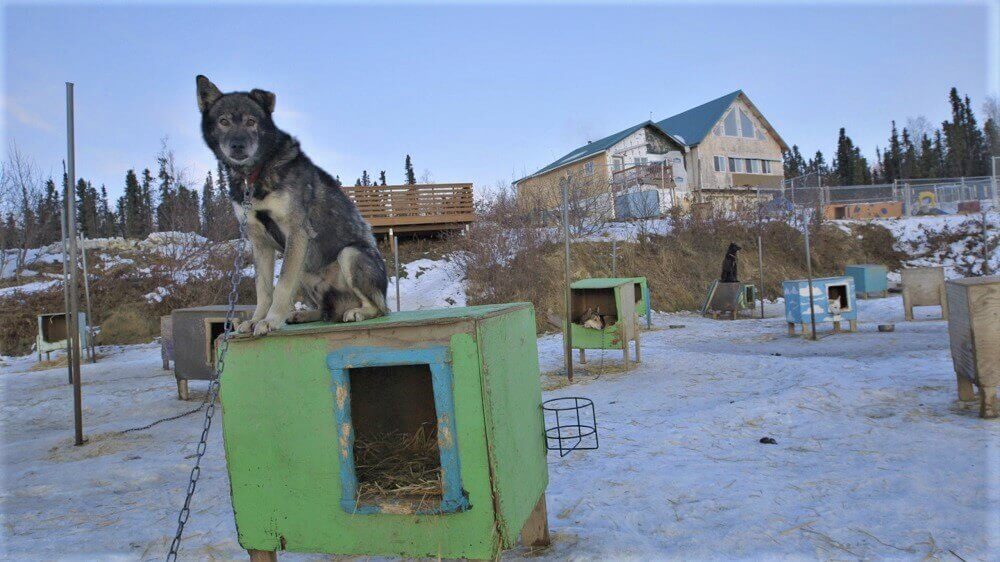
x=720, y=163
x=746, y=125
x=729, y=124
x=588, y=168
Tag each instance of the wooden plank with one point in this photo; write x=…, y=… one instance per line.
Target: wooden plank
x=536, y=529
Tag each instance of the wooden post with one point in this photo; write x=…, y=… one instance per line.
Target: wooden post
x=988, y=402
x=395, y=254
x=263, y=556
x=760, y=267
x=966, y=392
x=536, y=529
x=182, y=389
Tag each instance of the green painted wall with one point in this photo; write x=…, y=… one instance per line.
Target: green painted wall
x=281, y=445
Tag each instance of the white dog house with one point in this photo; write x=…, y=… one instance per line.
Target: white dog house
x=53, y=333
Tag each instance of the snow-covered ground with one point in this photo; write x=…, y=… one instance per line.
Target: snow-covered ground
x=874, y=458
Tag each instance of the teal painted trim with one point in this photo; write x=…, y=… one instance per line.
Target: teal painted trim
x=438, y=359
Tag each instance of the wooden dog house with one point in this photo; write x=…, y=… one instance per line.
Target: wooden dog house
x=870, y=280
x=53, y=333
x=923, y=286
x=307, y=407
x=974, y=333
x=833, y=300
x=193, y=335
x=615, y=301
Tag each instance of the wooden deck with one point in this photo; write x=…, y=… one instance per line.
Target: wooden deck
x=414, y=208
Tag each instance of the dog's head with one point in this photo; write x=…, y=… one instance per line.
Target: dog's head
x=237, y=126
x=733, y=248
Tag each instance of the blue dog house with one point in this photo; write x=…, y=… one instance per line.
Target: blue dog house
x=870, y=280
x=834, y=300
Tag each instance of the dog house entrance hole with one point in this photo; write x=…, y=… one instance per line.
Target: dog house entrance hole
x=396, y=456
x=597, y=301
x=837, y=294
x=214, y=329
x=54, y=328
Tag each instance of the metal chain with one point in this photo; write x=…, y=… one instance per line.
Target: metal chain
x=213, y=388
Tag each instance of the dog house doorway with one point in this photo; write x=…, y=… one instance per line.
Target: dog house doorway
x=214, y=327
x=597, y=301
x=395, y=422
x=837, y=296
x=396, y=454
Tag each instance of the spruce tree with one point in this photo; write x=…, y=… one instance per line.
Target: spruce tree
x=381, y=178
x=130, y=205
x=411, y=177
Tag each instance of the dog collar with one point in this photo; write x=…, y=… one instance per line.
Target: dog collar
x=254, y=175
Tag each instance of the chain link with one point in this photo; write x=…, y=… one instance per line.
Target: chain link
x=213, y=388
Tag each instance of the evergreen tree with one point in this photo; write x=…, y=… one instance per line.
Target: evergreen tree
x=411, y=177
x=909, y=167
x=843, y=164
x=166, y=207
x=208, y=207
x=145, y=203
x=893, y=157
x=130, y=207
x=365, y=180
x=381, y=178
x=992, y=133
x=108, y=227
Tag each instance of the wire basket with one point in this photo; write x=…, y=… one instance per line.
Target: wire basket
x=574, y=427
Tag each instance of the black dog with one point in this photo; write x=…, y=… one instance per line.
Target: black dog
x=729, y=265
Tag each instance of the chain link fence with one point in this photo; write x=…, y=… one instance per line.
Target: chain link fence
x=946, y=195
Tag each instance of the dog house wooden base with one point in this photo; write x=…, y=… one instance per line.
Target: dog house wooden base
x=923, y=286
x=974, y=334
x=614, y=301
x=193, y=335
x=833, y=300
x=305, y=405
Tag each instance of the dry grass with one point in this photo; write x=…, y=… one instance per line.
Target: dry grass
x=127, y=325
x=398, y=466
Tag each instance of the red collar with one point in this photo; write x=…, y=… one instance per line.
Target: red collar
x=254, y=175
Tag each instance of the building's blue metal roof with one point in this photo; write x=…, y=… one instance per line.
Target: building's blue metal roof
x=694, y=124
x=592, y=148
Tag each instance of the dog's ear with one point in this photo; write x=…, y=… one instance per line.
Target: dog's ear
x=264, y=98
x=208, y=93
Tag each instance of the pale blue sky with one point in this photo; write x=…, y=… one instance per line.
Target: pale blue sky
x=476, y=93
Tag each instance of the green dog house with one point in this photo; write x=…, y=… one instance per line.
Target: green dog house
x=614, y=301
x=306, y=405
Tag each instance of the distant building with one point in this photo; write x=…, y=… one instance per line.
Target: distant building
x=704, y=152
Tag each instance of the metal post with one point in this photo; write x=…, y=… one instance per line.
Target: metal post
x=86, y=293
x=72, y=326
x=614, y=257
x=760, y=267
x=809, y=276
x=993, y=182
x=567, y=333
x=395, y=254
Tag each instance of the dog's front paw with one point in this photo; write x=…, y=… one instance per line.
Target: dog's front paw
x=267, y=325
x=355, y=315
x=245, y=327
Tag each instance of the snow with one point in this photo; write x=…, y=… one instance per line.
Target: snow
x=428, y=284
x=33, y=287
x=874, y=458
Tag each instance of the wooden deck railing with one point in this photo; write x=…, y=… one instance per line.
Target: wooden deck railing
x=406, y=208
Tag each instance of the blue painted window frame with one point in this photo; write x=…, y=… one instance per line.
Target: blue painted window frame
x=438, y=359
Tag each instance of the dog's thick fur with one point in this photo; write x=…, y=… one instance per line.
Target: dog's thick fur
x=330, y=256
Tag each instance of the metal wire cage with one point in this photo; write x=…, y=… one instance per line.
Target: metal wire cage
x=570, y=425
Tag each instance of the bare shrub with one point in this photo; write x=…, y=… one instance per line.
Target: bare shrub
x=127, y=325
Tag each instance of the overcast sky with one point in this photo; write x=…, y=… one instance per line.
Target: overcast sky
x=473, y=93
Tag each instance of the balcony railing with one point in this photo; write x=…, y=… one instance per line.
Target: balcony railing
x=407, y=208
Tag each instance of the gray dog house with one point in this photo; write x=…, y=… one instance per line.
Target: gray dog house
x=194, y=331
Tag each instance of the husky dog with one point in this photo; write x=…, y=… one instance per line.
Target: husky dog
x=729, y=274
x=297, y=209
x=593, y=319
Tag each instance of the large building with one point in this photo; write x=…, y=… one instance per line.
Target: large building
x=704, y=152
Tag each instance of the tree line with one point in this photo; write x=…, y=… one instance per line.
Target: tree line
x=958, y=148
x=410, y=176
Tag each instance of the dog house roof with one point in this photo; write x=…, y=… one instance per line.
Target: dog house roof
x=448, y=315
x=837, y=279
x=603, y=282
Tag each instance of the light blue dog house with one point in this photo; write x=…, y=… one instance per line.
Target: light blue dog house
x=871, y=280
x=834, y=300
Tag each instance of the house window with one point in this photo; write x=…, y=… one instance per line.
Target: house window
x=640, y=161
x=748, y=165
x=720, y=163
x=747, y=125
x=765, y=166
x=588, y=168
x=616, y=163
x=753, y=166
x=735, y=165
x=729, y=124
